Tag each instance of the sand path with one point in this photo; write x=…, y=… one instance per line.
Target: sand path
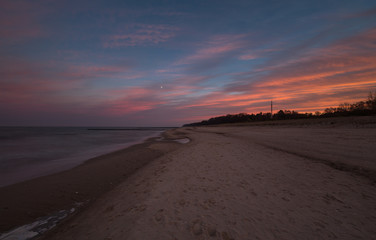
x=243, y=183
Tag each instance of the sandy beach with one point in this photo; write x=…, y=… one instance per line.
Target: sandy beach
x=314, y=180
x=255, y=182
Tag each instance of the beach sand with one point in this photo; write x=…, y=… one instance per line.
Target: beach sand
x=314, y=180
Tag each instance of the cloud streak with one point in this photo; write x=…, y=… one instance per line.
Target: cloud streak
x=140, y=35
x=214, y=52
x=344, y=70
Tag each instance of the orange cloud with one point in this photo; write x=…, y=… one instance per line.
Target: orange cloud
x=345, y=69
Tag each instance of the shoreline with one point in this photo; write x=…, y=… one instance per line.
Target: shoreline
x=24, y=202
x=44, y=163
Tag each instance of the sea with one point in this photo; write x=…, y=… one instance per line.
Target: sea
x=30, y=152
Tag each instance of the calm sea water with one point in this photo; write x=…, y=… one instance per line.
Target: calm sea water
x=29, y=152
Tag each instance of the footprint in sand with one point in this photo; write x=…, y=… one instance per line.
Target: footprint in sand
x=212, y=231
x=254, y=193
x=197, y=229
x=285, y=199
x=110, y=208
x=183, y=202
x=159, y=216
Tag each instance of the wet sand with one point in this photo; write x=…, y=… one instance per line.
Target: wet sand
x=286, y=180
x=248, y=182
x=24, y=202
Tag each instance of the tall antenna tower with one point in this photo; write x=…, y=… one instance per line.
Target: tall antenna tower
x=271, y=109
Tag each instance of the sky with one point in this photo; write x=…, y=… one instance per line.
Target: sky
x=167, y=63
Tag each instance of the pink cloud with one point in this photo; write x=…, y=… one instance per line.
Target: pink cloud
x=130, y=100
x=248, y=57
x=258, y=53
x=215, y=47
x=334, y=62
x=46, y=85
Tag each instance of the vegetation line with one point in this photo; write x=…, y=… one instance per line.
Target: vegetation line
x=362, y=108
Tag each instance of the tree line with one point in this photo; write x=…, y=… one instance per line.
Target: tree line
x=361, y=108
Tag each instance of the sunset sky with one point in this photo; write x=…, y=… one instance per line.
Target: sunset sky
x=166, y=63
